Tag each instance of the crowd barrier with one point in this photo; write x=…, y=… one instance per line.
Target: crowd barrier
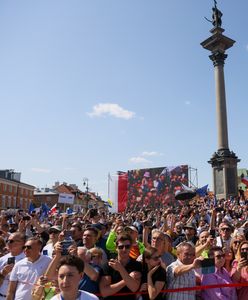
x=177, y=290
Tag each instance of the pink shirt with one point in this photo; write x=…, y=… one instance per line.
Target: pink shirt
x=220, y=276
x=242, y=291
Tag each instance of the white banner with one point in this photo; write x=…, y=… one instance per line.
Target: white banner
x=66, y=198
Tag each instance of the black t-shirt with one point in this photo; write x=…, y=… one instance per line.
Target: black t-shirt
x=159, y=275
x=131, y=266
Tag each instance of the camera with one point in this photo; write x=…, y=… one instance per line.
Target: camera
x=93, y=212
x=65, y=245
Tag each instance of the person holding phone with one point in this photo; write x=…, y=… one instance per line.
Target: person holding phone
x=54, y=232
x=15, y=245
x=26, y=272
x=220, y=276
x=153, y=275
x=240, y=269
x=204, y=244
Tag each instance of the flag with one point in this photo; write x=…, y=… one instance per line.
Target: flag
x=44, y=210
x=110, y=203
x=117, y=192
x=202, y=192
x=31, y=208
x=69, y=211
x=244, y=179
x=53, y=210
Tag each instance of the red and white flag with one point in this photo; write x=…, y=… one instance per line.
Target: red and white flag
x=244, y=180
x=117, y=191
x=53, y=210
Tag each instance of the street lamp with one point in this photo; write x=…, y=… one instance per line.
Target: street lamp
x=86, y=183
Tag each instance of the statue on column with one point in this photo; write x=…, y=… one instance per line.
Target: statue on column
x=216, y=16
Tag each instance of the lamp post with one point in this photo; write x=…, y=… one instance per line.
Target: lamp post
x=86, y=184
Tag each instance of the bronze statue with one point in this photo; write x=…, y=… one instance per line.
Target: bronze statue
x=216, y=16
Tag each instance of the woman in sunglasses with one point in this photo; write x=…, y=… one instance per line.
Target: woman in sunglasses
x=240, y=269
x=219, y=276
x=153, y=275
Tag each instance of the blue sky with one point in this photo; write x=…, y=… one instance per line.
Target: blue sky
x=97, y=86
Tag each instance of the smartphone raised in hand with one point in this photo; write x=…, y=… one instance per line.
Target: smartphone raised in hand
x=11, y=260
x=208, y=266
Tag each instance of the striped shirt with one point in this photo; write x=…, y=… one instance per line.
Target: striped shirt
x=185, y=280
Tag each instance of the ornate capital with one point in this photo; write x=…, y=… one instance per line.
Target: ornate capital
x=218, y=58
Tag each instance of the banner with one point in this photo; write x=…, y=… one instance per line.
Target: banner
x=66, y=198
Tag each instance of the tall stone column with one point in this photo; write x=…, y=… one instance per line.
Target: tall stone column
x=224, y=162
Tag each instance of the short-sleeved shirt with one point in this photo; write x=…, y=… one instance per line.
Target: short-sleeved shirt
x=89, y=285
x=131, y=266
x=187, y=279
x=26, y=273
x=3, y=262
x=158, y=275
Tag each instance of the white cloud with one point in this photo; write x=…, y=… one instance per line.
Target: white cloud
x=139, y=160
x=39, y=170
x=187, y=102
x=150, y=153
x=111, y=109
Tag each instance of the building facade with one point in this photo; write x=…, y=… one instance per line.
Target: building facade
x=14, y=193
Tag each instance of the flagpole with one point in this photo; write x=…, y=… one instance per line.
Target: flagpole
x=108, y=185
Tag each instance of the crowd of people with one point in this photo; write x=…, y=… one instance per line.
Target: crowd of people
x=171, y=252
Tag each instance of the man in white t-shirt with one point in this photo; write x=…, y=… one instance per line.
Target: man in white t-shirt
x=15, y=245
x=26, y=272
x=70, y=272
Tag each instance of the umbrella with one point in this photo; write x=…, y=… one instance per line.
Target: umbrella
x=185, y=195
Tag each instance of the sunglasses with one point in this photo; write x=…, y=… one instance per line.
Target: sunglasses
x=120, y=247
x=28, y=247
x=54, y=231
x=227, y=229
x=237, y=242
x=244, y=249
x=11, y=241
x=220, y=256
x=155, y=258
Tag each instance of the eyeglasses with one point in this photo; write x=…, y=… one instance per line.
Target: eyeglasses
x=121, y=247
x=28, y=247
x=220, y=256
x=225, y=228
x=12, y=241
